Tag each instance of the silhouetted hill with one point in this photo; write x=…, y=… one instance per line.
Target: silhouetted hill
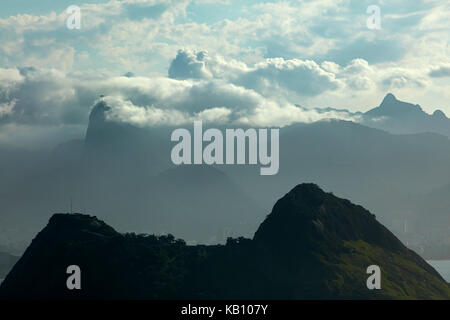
x=324, y=216
x=324, y=244
x=312, y=245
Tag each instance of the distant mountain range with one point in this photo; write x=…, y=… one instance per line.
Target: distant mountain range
x=124, y=174
x=313, y=245
x=400, y=117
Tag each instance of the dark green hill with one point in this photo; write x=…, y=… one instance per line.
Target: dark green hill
x=338, y=240
x=312, y=246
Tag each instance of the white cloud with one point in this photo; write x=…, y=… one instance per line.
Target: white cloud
x=303, y=78
x=6, y=108
x=242, y=62
x=442, y=71
x=163, y=101
x=189, y=65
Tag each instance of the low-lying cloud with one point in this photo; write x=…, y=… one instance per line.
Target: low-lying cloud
x=32, y=98
x=199, y=86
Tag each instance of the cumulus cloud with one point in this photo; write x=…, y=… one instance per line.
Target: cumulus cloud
x=296, y=79
x=124, y=111
x=201, y=86
x=163, y=101
x=189, y=65
x=241, y=62
x=43, y=97
x=37, y=96
x=403, y=80
x=109, y=29
x=304, y=78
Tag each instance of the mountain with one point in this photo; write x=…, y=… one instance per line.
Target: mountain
x=125, y=175
x=391, y=107
x=312, y=245
x=428, y=227
x=380, y=170
x=401, y=117
x=333, y=242
x=120, y=168
x=398, y=117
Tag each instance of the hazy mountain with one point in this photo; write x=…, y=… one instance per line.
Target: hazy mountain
x=113, y=147
x=7, y=261
x=119, y=168
x=378, y=169
x=428, y=226
x=312, y=245
x=400, y=117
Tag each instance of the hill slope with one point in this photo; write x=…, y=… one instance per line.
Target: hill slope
x=312, y=245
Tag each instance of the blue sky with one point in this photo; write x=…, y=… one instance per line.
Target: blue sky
x=41, y=7
x=262, y=56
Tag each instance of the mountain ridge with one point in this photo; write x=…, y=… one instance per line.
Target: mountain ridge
x=313, y=245
x=119, y=168
x=401, y=117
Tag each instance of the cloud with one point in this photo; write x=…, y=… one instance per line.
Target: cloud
x=201, y=86
x=241, y=62
x=373, y=51
x=295, y=79
x=304, y=78
x=112, y=32
x=41, y=96
x=124, y=111
x=163, y=101
x=442, y=71
x=402, y=81
x=6, y=108
x=38, y=98
x=358, y=75
x=189, y=65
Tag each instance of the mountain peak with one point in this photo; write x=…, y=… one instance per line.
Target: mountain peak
x=391, y=107
x=98, y=111
x=306, y=193
x=307, y=215
x=390, y=102
x=439, y=114
x=389, y=98
x=76, y=224
x=399, y=117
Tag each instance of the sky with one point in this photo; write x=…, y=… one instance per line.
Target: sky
x=248, y=62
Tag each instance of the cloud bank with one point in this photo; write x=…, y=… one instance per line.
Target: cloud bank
x=229, y=61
